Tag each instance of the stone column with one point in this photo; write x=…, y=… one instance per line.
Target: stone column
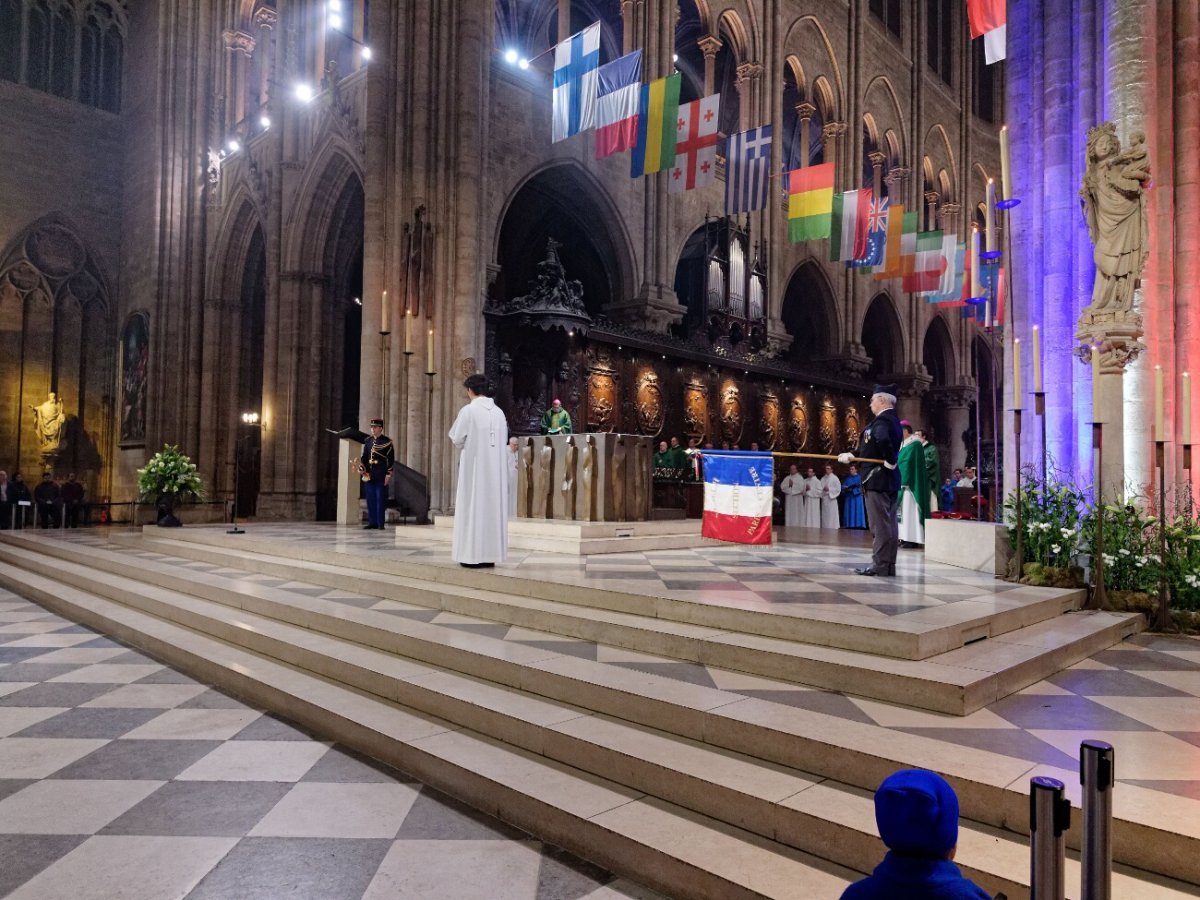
x=805, y=111
x=897, y=182
x=748, y=75
x=710, y=45
x=931, y=208
x=1119, y=338
x=877, y=161
x=564, y=20
x=908, y=402
x=956, y=401
x=948, y=217
x=830, y=133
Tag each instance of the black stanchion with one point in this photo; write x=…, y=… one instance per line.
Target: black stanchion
x=1049, y=819
x=1097, y=774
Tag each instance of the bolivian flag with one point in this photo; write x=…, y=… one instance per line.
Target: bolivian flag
x=658, y=117
x=810, y=202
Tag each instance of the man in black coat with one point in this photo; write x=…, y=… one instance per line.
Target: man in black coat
x=880, y=481
x=48, y=499
x=378, y=459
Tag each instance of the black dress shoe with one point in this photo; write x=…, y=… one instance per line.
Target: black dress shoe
x=483, y=565
x=876, y=570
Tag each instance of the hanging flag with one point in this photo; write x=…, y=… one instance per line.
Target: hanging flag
x=810, y=202
x=908, y=244
x=989, y=20
x=928, y=264
x=747, y=170
x=950, y=285
x=877, y=220
x=848, y=232
x=696, y=145
x=658, y=119
x=738, y=490
x=619, y=90
x=890, y=266
x=576, y=61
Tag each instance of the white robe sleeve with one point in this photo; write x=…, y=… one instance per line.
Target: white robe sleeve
x=458, y=431
x=832, y=485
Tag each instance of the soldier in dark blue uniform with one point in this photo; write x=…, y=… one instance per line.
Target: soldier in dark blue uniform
x=378, y=458
x=880, y=482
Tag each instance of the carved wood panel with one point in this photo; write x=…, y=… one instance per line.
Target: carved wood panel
x=851, y=428
x=649, y=404
x=798, y=424
x=768, y=420
x=695, y=409
x=732, y=414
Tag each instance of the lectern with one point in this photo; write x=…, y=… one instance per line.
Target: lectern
x=349, y=485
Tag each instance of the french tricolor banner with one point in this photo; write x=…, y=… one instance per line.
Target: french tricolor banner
x=738, y=496
x=617, y=104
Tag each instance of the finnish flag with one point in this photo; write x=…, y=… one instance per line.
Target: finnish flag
x=576, y=62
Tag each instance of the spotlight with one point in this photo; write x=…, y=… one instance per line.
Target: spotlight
x=510, y=56
x=233, y=145
x=358, y=301
x=265, y=122
x=250, y=418
x=523, y=63
x=335, y=5
x=304, y=92
x=674, y=57
x=335, y=21
x=366, y=54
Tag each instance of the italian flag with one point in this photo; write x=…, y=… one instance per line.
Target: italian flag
x=848, y=238
x=929, y=261
x=810, y=202
x=989, y=20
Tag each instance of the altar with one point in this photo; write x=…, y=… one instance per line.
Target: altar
x=600, y=477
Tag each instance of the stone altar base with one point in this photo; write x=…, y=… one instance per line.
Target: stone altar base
x=968, y=544
x=582, y=538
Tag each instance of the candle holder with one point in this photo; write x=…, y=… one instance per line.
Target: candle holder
x=1187, y=461
x=1039, y=410
x=1099, y=596
x=429, y=429
x=385, y=356
x=991, y=255
x=1162, y=618
x=1008, y=204
x=1020, y=524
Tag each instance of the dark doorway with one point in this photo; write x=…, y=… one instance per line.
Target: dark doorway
x=247, y=457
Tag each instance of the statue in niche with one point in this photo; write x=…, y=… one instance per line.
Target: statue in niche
x=620, y=449
x=523, y=500
x=49, y=418
x=542, y=487
x=1114, y=200
x=570, y=486
x=589, y=479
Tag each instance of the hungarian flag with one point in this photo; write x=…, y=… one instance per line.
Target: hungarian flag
x=810, y=202
x=989, y=20
x=658, y=117
x=747, y=170
x=696, y=145
x=928, y=264
x=576, y=61
x=620, y=89
x=877, y=221
x=890, y=265
x=851, y=220
x=738, y=489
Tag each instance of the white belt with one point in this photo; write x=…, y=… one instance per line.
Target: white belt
x=888, y=465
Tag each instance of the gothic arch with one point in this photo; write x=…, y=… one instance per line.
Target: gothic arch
x=810, y=314
x=880, y=99
x=807, y=40
x=883, y=337
x=242, y=217
x=940, y=152
x=326, y=176
x=937, y=353
x=583, y=200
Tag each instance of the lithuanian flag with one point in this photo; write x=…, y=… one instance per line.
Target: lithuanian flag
x=810, y=202
x=658, y=117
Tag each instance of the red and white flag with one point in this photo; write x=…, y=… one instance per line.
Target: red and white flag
x=617, y=104
x=695, y=145
x=989, y=20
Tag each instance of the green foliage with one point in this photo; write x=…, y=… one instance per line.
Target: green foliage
x=170, y=471
x=1052, y=520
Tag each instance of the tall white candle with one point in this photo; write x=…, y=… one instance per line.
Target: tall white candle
x=408, y=331
x=1187, y=408
x=1159, y=434
x=1005, y=167
x=385, y=316
x=1096, y=384
x=976, y=275
x=989, y=215
x=429, y=369
x=1037, y=360
x=1016, y=373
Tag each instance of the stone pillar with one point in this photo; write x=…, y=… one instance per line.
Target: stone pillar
x=956, y=401
x=564, y=20
x=805, y=111
x=748, y=75
x=1118, y=335
x=948, y=217
x=877, y=161
x=908, y=401
x=830, y=133
x=931, y=208
x=710, y=45
x=897, y=182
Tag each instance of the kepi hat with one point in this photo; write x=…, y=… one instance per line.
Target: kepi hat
x=377, y=421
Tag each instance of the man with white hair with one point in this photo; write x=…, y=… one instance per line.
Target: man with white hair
x=880, y=481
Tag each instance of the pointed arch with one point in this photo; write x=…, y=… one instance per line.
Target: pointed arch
x=242, y=216
x=940, y=152
x=807, y=40
x=883, y=337
x=881, y=100
x=325, y=178
x=937, y=352
x=810, y=314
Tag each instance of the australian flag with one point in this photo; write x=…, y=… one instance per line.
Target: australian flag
x=748, y=172
x=877, y=222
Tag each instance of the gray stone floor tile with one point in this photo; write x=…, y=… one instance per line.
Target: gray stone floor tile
x=563, y=876
x=212, y=699
x=1063, y=713
x=9, y=786
x=581, y=649
x=1190, y=789
x=439, y=817
x=295, y=868
x=134, y=760
x=1146, y=661
x=1112, y=683
x=31, y=671
x=167, y=676
x=91, y=723
x=66, y=694
x=201, y=808
x=23, y=856
x=487, y=630
x=692, y=673
x=271, y=728
x=1005, y=741
x=827, y=702
x=342, y=765
x=9, y=655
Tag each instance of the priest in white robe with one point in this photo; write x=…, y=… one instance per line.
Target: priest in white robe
x=831, y=489
x=480, y=432
x=514, y=455
x=792, y=488
x=812, y=499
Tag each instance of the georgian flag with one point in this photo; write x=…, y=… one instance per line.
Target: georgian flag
x=695, y=145
x=738, y=496
x=620, y=92
x=576, y=61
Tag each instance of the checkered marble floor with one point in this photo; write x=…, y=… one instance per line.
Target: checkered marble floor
x=1142, y=696
x=120, y=777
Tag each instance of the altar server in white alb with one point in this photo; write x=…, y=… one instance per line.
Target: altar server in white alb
x=481, y=502
x=812, y=500
x=831, y=489
x=792, y=488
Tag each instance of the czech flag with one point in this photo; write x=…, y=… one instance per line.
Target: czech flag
x=617, y=106
x=738, y=496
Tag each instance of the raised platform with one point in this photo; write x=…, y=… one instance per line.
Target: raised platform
x=582, y=538
x=684, y=756
x=968, y=544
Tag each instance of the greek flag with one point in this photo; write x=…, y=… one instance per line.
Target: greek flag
x=748, y=170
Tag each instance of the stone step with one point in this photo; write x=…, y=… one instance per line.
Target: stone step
x=919, y=636
x=670, y=774
x=579, y=538
x=992, y=787
x=958, y=682
x=669, y=848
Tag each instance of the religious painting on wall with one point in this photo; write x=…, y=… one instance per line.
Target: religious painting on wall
x=695, y=410
x=768, y=422
x=602, y=393
x=135, y=361
x=731, y=414
x=828, y=430
x=798, y=424
x=851, y=428
x=648, y=402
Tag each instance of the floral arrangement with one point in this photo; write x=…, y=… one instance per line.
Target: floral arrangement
x=170, y=471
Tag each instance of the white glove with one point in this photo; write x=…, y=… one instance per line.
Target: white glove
x=844, y=458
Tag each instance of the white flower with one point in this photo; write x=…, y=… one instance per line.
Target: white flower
x=1066, y=532
x=1123, y=552
x=1055, y=548
x=1109, y=559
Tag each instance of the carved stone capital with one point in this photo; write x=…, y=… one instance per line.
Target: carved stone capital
x=915, y=384
x=266, y=17
x=948, y=214
x=1117, y=333
x=239, y=42
x=877, y=159
x=954, y=396
x=853, y=362
x=710, y=45
x=832, y=130
x=805, y=110
x=748, y=72
x=932, y=197
x=896, y=174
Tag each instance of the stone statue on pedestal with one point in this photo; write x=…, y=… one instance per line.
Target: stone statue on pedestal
x=48, y=421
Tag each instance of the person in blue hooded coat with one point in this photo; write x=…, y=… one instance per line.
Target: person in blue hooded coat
x=917, y=815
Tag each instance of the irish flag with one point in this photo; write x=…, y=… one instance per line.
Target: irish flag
x=989, y=20
x=738, y=490
x=851, y=219
x=658, y=119
x=810, y=202
x=890, y=267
